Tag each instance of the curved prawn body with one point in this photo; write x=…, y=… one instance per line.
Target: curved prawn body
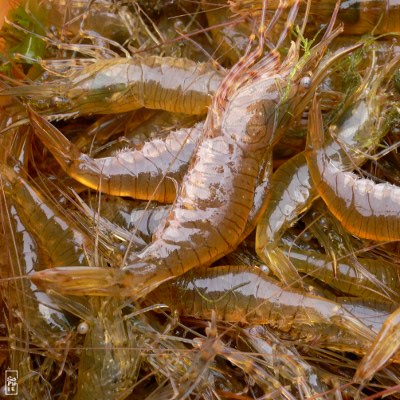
x=118, y=85
x=291, y=193
x=292, y=188
x=365, y=209
x=245, y=294
x=150, y=173
x=210, y=215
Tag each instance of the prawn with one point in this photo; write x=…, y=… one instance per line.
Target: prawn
x=119, y=84
x=209, y=217
x=37, y=310
x=292, y=188
x=35, y=322
x=64, y=241
x=365, y=209
x=110, y=357
x=109, y=364
x=138, y=223
x=133, y=173
x=246, y=295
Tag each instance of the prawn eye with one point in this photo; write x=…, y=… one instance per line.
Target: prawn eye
x=305, y=83
x=265, y=269
x=83, y=328
x=306, y=236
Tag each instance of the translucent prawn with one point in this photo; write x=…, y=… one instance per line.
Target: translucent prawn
x=42, y=316
x=110, y=358
x=365, y=209
x=36, y=324
x=247, y=295
x=118, y=85
x=211, y=212
x=292, y=188
x=150, y=173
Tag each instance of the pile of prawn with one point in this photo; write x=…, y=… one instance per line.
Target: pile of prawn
x=200, y=200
